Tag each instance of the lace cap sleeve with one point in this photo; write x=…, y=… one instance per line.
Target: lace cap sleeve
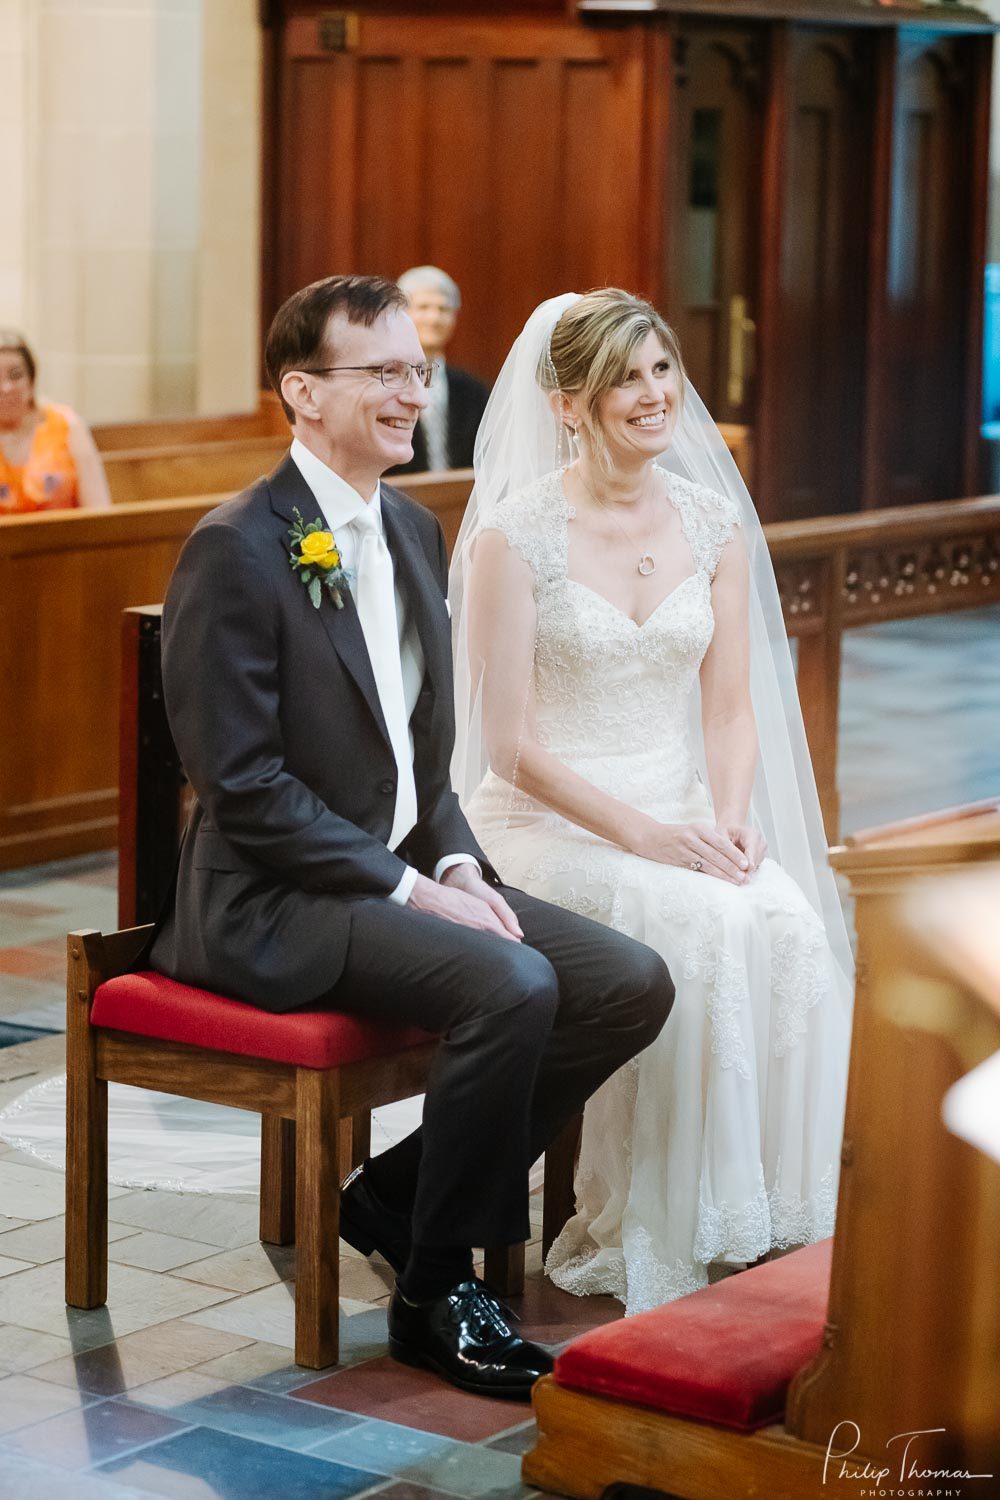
x=533, y=521
x=709, y=520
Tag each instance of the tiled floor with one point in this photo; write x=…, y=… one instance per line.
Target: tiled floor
x=184, y=1386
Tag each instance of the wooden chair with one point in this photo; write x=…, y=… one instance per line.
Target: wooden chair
x=313, y=1077
x=912, y=1325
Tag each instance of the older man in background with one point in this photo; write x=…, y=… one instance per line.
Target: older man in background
x=445, y=435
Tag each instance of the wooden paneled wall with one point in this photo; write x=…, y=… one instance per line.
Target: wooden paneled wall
x=933, y=283
x=805, y=198
x=508, y=152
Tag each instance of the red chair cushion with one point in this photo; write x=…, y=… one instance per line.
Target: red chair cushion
x=725, y=1354
x=148, y=1004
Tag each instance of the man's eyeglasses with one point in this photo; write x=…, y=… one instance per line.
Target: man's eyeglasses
x=395, y=375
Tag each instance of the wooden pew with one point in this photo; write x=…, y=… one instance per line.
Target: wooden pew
x=212, y=456
x=913, y=1326
x=226, y=466
x=172, y=432
x=65, y=578
x=199, y=468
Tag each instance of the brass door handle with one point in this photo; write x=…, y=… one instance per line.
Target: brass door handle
x=741, y=334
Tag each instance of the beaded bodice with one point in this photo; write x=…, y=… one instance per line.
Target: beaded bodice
x=613, y=698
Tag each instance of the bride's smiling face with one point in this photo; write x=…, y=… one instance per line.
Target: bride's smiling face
x=638, y=416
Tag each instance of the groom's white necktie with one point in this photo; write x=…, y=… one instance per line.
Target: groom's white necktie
x=376, y=601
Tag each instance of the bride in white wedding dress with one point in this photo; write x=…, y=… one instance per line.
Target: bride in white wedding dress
x=629, y=734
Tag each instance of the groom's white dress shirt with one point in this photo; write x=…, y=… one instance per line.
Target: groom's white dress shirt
x=396, y=655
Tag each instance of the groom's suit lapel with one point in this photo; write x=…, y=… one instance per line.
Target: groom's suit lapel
x=343, y=627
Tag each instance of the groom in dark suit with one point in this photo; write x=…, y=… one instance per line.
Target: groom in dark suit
x=327, y=860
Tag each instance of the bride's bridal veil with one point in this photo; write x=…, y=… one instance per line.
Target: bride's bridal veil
x=519, y=441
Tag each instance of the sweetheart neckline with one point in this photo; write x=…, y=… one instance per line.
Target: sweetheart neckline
x=636, y=624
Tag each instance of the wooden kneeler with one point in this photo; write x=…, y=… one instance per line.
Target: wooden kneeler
x=315, y=1121
x=912, y=1322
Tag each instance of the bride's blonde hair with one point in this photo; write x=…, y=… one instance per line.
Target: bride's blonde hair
x=591, y=350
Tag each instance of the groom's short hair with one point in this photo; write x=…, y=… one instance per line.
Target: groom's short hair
x=296, y=339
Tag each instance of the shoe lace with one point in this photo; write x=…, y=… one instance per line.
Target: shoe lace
x=489, y=1311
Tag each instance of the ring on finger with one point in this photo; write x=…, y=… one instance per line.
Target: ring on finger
x=696, y=864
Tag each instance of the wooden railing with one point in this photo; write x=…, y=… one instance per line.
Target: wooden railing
x=66, y=577
x=846, y=571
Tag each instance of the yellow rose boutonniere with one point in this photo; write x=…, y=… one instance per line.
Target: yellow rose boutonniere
x=316, y=558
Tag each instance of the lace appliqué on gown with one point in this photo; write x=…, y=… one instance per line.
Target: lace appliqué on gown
x=722, y=1141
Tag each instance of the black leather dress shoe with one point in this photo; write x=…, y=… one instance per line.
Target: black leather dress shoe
x=367, y=1224
x=466, y=1337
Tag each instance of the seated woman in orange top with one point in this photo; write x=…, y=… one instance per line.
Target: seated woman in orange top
x=48, y=459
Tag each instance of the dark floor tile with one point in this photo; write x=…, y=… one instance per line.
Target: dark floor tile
x=520, y=1440
x=551, y=1316
x=202, y=1463
x=249, y=1413
x=80, y=1439
x=394, y=1392
x=12, y=1035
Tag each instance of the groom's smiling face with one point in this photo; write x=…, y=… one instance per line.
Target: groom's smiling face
x=364, y=422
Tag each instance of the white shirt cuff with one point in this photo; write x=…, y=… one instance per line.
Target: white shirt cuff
x=404, y=889
x=455, y=859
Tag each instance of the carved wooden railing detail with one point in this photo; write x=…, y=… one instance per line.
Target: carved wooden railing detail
x=843, y=572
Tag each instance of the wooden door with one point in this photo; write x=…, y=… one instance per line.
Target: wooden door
x=713, y=211
x=507, y=152
x=818, y=259
x=930, y=356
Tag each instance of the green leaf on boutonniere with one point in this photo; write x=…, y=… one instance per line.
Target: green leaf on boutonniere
x=318, y=567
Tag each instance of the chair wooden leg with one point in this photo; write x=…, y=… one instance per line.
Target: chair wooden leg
x=504, y=1269
x=317, y=1218
x=558, y=1200
x=277, y=1180
x=355, y=1141
x=86, y=1132
x=361, y=1136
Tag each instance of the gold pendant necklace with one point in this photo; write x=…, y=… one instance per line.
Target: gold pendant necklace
x=647, y=562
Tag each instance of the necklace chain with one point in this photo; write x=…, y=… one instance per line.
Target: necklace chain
x=647, y=563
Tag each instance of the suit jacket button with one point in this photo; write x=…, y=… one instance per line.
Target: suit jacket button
x=387, y=786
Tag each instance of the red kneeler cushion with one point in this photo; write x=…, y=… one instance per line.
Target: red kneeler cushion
x=148, y=1004
x=725, y=1354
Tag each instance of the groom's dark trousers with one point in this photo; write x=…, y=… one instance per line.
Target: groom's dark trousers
x=284, y=880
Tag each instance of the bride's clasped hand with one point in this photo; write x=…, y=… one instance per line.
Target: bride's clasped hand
x=732, y=853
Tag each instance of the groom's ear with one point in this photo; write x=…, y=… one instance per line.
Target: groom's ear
x=297, y=391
